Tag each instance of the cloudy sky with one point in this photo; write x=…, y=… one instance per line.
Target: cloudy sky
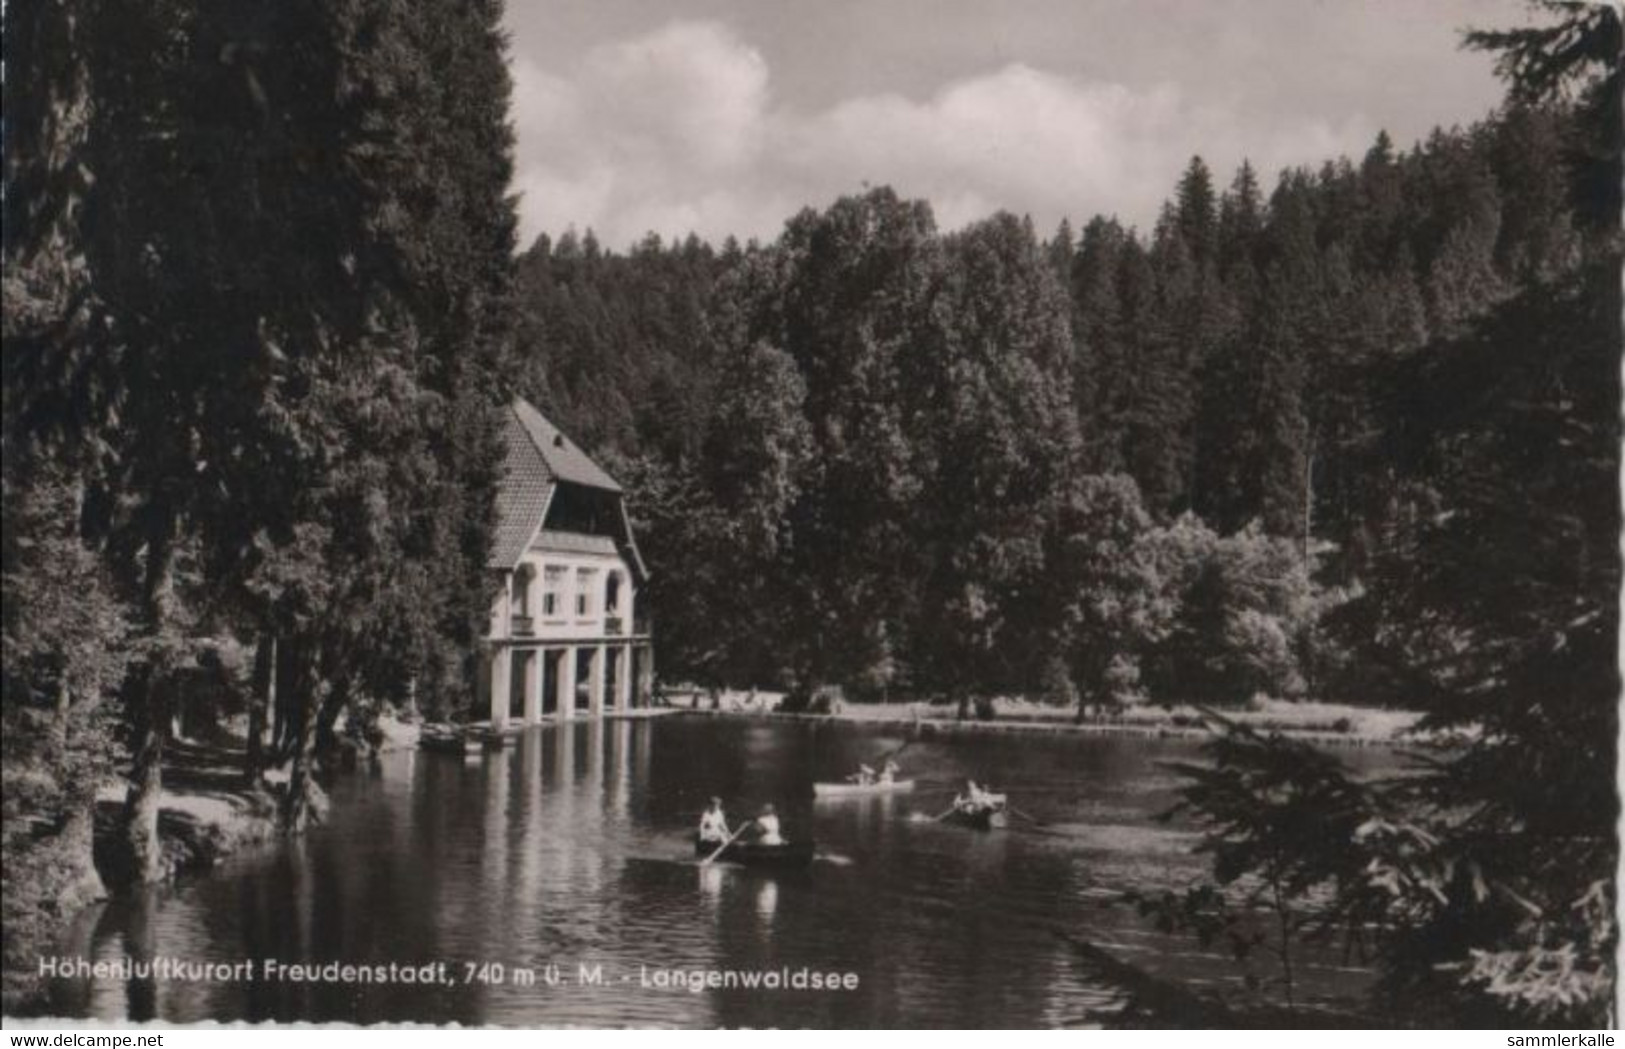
x=727, y=116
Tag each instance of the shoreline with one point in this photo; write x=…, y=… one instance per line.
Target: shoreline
x=1170, y=726
x=206, y=812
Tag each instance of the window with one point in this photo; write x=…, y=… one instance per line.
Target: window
x=612, y=593
x=521, y=589
x=584, y=588
x=552, y=592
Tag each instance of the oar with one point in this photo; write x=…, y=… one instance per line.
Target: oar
x=1034, y=819
x=893, y=753
x=949, y=811
x=724, y=845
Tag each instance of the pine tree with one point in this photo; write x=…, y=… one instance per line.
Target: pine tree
x=1576, y=56
x=1195, y=209
x=64, y=629
x=1099, y=338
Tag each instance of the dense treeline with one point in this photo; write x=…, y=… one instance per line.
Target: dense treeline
x=258, y=266
x=1106, y=465
x=1355, y=438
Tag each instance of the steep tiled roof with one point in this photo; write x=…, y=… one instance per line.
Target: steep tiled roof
x=527, y=485
x=564, y=458
x=537, y=456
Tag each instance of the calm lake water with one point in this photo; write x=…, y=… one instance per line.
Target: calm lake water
x=573, y=849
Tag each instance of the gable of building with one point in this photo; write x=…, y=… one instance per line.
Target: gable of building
x=538, y=460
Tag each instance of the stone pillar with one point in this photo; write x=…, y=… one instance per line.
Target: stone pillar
x=483, y=686
x=501, y=684
x=646, y=675
x=595, y=681
x=503, y=620
x=533, y=687
x=564, y=699
x=623, y=677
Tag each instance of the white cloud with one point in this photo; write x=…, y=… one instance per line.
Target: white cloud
x=691, y=93
x=676, y=131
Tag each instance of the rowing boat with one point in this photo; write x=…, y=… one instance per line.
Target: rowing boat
x=753, y=854
x=988, y=817
x=858, y=790
x=451, y=742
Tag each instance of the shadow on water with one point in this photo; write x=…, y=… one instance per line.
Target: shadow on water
x=570, y=855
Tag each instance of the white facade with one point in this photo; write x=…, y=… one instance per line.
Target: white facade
x=566, y=587
x=564, y=639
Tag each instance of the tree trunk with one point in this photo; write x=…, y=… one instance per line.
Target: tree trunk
x=298, y=695
x=260, y=700
x=150, y=709
x=285, y=699
x=150, y=714
x=78, y=834
x=333, y=705
x=78, y=838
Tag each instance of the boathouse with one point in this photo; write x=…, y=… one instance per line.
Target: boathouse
x=565, y=638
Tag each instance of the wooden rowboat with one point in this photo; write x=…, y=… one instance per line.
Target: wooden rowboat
x=859, y=790
x=985, y=818
x=451, y=742
x=790, y=855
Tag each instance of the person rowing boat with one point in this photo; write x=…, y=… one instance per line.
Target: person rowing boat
x=867, y=777
x=767, y=827
x=977, y=801
x=714, y=825
x=754, y=843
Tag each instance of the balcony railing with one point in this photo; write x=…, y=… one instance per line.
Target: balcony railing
x=612, y=625
x=523, y=626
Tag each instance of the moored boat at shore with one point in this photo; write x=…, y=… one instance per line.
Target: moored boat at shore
x=447, y=741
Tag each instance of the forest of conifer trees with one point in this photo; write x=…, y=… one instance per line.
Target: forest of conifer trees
x=912, y=450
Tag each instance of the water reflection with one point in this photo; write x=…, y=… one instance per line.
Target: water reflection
x=711, y=877
x=767, y=900
x=574, y=847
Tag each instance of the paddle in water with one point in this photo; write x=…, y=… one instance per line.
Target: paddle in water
x=889, y=755
x=721, y=848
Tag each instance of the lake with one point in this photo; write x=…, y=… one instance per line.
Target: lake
x=570, y=855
